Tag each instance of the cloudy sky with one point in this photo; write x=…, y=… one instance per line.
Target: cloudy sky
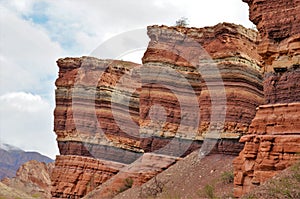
x=35, y=33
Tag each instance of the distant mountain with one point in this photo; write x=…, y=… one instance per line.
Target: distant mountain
x=11, y=158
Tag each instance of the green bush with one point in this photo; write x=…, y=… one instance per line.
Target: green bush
x=128, y=182
x=227, y=177
x=209, y=191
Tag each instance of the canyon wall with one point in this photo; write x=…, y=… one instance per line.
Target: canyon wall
x=215, y=67
x=115, y=120
x=92, y=146
x=272, y=143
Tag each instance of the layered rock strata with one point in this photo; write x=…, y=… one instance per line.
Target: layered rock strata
x=216, y=67
x=109, y=113
x=274, y=135
x=32, y=179
x=91, y=101
x=278, y=23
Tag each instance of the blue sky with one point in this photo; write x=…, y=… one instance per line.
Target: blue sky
x=35, y=33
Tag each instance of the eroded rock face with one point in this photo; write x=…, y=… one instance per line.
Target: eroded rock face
x=278, y=22
x=75, y=176
x=272, y=145
x=192, y=66
x=32, y=178
x=273, y=141
x=92, y=96
x=109, y=113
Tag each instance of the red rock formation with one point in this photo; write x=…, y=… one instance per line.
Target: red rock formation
x=274, y=135
x=75, y=176
x=32, y=178
x=278, y=22
x=105, y=119
x=91, y=99
x=272, y=145
x=179, y=59
x=145, y=168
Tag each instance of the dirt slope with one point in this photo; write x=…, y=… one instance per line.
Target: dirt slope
x=191, y=177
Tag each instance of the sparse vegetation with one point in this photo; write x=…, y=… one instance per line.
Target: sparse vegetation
x=128, y=182
x=153, y=190
x=207, y=192
x=182, y=22
x=227, y=177
x=286, y=185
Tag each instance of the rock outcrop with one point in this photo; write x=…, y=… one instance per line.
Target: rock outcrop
x=274, y=134
x=89, y=105
x=117, y=120
x=32, y=179
x=216, y=67
x=11, y=158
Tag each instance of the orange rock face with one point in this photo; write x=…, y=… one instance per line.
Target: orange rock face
x=75, y=176
x=272, y=145
x=274, y=134
x=116, y=120
x=278, y=22
x=212, y=72
x=33, y=178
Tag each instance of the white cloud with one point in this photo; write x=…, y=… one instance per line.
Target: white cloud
x=27, y=55
x=27, y=123
x=35, y=33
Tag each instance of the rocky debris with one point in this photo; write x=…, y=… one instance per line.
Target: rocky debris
x=284, y=184
x=8, y=192
x=32, y=179
x=190, y=177
x=136, y=174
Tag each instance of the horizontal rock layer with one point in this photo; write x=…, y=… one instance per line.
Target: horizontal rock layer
x=96, y=122
x=273, y=140
x=278, y=22
x=75, y=176
x=282, y=87
x=216, y=67
x=110, y=112
x=91, y=98
x=272, y=145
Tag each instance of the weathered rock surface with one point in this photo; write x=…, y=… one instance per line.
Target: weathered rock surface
x=272, y=145
x=278, y=22
x=188, y=67
x=75, y=176
x=109, y=113
x=92, y=97
x=11, y=158
x=282, y=87
x=32, y=179
x=139, y=172
x=274, y=135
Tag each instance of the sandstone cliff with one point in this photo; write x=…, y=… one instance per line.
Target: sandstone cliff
x=274, y=134
x=92, y=145
x=118, y=120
